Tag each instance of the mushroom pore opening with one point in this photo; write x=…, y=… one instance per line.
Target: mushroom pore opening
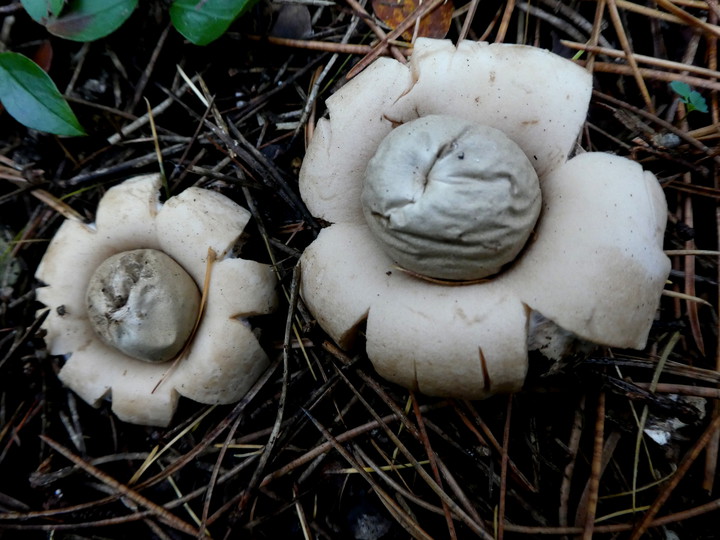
x=143, y=303
x=449, y=199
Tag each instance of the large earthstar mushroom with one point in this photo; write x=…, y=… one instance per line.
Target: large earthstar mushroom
x=433, y=248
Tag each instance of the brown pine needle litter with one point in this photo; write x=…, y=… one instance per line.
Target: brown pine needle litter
x=612, y=444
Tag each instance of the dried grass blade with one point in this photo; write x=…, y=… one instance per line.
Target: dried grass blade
x=573, y=446
x=662, y=123
x=596, y=33
x=686, y=297
x=156, y=452
x=685, y=16
x=475, y=526
x=379, y=32
x=141, y=121
x=402, y=490
x=307, y=533
x=516, y=474
x=29, y=332
x=689, y=263
x=596, y=469
x=505, y=21
x=160, y=512
x=653, y=74
x=402, y=517
x=59, y=206
x=433, y=461
x=649, y=12
x=275, y=433
x=625, y=43
x=470, y=15
x=702, y=191
x=313, y=45
x=710, y=252
x=418, y=13
x=713, y=450
x=683, y=390
x=55, y=527
x=650, y=60
x=212, y=435
x=690, y=457
x=504, y=460
x=326, y=447
x=641, y=422
x=156, y=144
x=204, y=522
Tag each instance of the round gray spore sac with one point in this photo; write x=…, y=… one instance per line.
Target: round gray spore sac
x=449, y=199
x=143, y=303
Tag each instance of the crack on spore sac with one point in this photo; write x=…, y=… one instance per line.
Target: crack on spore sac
x=131, y=270
x=450, y=147
x=443, y=151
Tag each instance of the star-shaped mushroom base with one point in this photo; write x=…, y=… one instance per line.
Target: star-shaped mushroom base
x=594, y=265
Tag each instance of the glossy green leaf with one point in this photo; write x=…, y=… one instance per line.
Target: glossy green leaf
x=693, y=100
x=88, y=20
x=680, y=88
x=42, y=10
x=203, y=21
x=697, y=102
x=30, y=96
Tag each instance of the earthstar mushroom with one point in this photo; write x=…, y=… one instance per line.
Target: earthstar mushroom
x=124, y=299
x=592, y=264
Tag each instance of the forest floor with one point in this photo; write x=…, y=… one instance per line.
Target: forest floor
x=616, y=444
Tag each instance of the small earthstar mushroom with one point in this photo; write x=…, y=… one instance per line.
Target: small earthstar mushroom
x=460, y=235
x=125, y=302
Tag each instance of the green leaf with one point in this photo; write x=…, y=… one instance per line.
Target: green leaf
x=692, y=99
x=203, y=21
x=30, y=96
x=41, y=10
x=680, y=88
x=697, y=102
x=88, y=20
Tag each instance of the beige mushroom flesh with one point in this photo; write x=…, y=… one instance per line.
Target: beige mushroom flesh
x=457, y=222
